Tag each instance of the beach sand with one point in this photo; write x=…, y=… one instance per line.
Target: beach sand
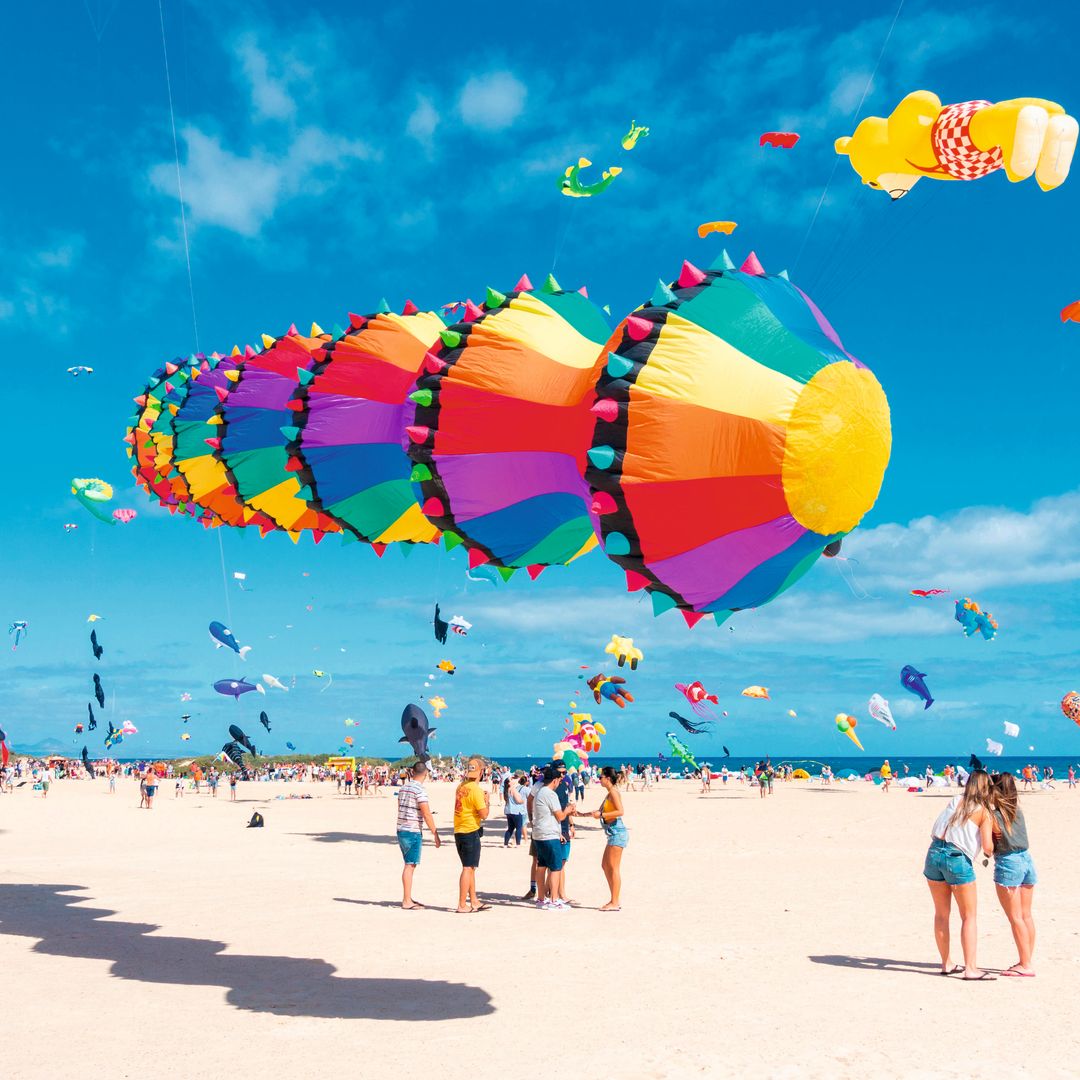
x=785, y=937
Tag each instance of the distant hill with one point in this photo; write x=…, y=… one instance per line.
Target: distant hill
x=44, y=748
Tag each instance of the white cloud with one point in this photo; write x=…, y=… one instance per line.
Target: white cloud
x=423, y=121
x=977, y=548
x=269, y=95
x=241, y=193
x=492, y=102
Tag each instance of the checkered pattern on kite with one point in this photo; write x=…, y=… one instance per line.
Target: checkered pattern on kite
x=958, y=156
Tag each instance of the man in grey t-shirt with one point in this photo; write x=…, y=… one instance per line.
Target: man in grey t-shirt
x=547, y=817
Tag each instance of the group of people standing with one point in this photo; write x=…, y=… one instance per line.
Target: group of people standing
x=544, y=804
x=985, y=820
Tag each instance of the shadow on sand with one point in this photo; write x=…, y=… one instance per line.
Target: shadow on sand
x=878, y=963
x=284, y=985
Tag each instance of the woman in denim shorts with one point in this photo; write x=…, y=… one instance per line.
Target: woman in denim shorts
x=962, y=830
x=1014, y=871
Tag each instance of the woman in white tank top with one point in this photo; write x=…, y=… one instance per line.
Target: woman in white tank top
x=962, y=830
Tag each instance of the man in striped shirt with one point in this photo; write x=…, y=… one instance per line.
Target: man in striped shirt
x=413, y=812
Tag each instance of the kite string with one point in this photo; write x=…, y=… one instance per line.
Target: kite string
x=836, y=162
x=179, y=180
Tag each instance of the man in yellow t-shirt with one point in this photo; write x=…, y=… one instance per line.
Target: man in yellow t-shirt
x=471, y=808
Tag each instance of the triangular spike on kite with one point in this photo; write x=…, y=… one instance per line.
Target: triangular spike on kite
x=535, y=570
x=356, y=321
x=171, y=368
x=378, y=548
x=494, y=298
x=472, y=312
x=524, y=284
x=584, y=292
x=304, y=376
x=550, y=285
x=267, y=341
x=752, y=265
x=316, y=330
x=690, y=275
x=636, y=581
x=477, y=558
x=693, y=617
x=638, y=328
x=661, y=602
x=722, y=262
x=662, y=295
x=410, y=308
x=784, y=275
x=384, y=307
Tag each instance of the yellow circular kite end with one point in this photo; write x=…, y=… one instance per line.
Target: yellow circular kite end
x=838, y=443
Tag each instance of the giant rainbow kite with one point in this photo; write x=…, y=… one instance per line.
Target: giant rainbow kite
x=715, y=444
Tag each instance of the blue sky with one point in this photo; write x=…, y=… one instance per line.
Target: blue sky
x=330, y=158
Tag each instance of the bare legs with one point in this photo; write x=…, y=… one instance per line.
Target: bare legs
x=1016, y=903
x=406, y=885
x=966, y=903
x=467, y=890
x=611, y=864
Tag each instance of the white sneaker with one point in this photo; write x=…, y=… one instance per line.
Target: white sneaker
x=559, y=905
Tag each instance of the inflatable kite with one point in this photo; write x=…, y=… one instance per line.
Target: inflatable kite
x=91, y=724
x=610, y=688
x=125, y=517
x=414, y=724
x=698, y=697
x=80, y=369
x=94, y=494
x=966, y=141
x=447, y=665
x=18, y=628
x=584, y=736
x=437, y=705
x=879, y=709
x=240, y=738
x=1012, y=730
x=786, y=139
x=735, y=440
x=275, y=684
x=570, y=181
x=1070, y=706
x=732, y=443
x=913, y=680
x=681, y=750
x=694, y=728
x=1071, y=312
x=974, y=620
x=97, y=649
x=235, y=687
x=630, y=139
x=99, y=691
x=706, y=227
x=622, y=648
x=223, y=638
x=925, y=593
x=756, y=692
x=846, y=725
x=264, y=720
x=994, y=747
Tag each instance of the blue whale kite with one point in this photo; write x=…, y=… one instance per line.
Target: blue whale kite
x=224, y=637
x=235, y=687
x=912, y=680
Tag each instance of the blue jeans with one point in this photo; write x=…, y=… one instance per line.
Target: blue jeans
x=1015, y=869
x=515, y=826
x=946, y=862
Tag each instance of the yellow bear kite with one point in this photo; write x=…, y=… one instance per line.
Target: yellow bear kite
x=623, y=649
x=1024, y=136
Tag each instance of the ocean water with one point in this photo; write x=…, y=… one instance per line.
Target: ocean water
x=862, y=765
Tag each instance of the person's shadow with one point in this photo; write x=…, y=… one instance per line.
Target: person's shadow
x=284, y=985
x=877, y=963
x=350, y=838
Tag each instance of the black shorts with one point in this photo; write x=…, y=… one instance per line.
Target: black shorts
x=468, y=847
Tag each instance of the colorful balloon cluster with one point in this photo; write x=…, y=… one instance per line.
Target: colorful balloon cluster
x=716, y=443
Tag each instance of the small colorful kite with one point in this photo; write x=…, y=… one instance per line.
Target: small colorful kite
x=974, y=620
x=925, y=593
x=630, y=139
x=18, y=628
x=706, y=227
x=570, y=181
x=846, y=725
x=757, y=692
x=694, y=728
x=699, y=698
x=914, y=681
x=879, y=709
x=1012, y=730
x=681, y=750
x=323, y=675
x=994, y=747
x=1071, y=312
x=611, y=687
x=447, y=665
x=460, y=626
x=80, y=369
x=124, y=516
x=622, y=648
x=785, y=139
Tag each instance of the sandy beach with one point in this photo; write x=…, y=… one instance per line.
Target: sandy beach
x=790, y=936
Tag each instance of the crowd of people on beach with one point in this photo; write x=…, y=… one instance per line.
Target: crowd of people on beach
x=544, y=801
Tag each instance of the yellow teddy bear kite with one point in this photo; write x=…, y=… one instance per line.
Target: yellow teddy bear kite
x=1024, y=136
